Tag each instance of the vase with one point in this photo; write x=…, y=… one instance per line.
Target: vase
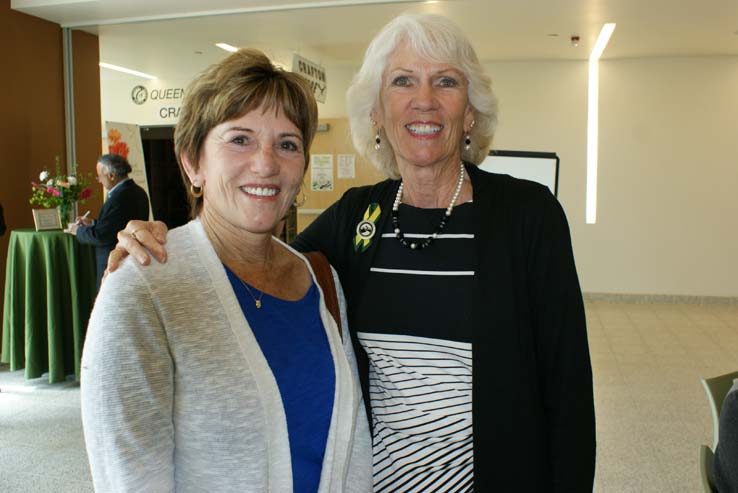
x=64, y=212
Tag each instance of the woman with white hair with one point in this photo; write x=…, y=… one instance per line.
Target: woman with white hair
x=463, y=299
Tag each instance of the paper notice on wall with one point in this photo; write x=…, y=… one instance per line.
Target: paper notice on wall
x=346, y=166
x=321, y=172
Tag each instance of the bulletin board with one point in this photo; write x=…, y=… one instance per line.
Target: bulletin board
x=335, y=141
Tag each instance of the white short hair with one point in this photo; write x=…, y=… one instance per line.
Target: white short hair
x=434, y=38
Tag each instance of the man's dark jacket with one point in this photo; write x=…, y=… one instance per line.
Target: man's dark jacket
x=125, y=202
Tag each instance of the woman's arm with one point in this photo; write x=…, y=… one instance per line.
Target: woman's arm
x=127, y=390
x=359, y=474
x=320, y=235
x=562, y=350
x=145, y=239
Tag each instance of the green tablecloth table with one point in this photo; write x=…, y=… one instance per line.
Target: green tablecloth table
x=50, y=285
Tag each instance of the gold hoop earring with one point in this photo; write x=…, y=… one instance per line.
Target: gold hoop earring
x=196, y=191
x=301, y=201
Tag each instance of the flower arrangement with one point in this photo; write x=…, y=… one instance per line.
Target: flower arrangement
x=60, y=191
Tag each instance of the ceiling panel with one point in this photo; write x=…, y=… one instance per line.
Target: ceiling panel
x=331, y=33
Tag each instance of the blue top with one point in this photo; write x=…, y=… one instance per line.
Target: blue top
x=294, y=342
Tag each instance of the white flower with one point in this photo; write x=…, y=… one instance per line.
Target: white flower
x=44, y=175
x=72, y=180
x=50, y=183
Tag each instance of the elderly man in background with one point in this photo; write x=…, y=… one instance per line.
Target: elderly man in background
x=125, y=201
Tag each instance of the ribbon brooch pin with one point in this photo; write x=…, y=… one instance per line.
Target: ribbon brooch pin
x=367, y=227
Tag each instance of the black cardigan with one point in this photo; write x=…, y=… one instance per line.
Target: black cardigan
x=532, y=400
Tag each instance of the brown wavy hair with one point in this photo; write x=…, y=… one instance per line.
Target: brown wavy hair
x=242, y=82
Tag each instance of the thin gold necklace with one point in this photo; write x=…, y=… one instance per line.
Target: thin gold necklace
x=257, y=301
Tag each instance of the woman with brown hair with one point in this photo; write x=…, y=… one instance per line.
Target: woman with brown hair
x=223, y=369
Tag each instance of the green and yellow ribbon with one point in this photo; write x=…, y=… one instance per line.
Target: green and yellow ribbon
x=367, y=227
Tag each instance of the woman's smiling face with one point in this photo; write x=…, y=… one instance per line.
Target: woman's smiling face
x=250, y=169
x=424, y=109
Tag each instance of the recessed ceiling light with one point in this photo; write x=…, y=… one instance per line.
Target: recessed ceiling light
x=226, y=46
x=552, y=35
x=126, y=70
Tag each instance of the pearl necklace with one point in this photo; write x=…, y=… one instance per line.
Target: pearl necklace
x=428, y=239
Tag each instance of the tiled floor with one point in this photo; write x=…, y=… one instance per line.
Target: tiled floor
x=41, y=443
x=652, y=413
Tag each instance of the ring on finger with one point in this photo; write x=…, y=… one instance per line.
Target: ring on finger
x=136, y=231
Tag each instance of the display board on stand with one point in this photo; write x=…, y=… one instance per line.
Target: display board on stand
x=124, y=139
x=541, y=167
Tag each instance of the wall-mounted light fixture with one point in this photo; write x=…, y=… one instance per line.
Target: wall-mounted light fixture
x=592, y=120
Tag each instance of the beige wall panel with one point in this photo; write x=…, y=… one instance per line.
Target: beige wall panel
x=336, y=140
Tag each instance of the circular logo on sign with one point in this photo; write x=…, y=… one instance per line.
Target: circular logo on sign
x=139, y=94
x=365, y=230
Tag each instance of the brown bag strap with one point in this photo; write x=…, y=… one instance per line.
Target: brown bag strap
x=324, y=275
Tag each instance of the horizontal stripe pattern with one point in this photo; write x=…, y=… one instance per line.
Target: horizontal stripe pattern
x=424, y=272
x=414, y=320
x=438, y=237
x=420, y=393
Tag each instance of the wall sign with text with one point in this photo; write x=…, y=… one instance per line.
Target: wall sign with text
x=161, y=104
x=314, y=73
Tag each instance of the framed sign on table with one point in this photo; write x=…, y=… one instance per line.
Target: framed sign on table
x=46, y=219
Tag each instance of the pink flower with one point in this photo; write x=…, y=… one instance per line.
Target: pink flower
x=84, y=194
x=53, y=191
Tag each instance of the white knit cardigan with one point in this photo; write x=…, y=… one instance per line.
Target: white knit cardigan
x=177, y=395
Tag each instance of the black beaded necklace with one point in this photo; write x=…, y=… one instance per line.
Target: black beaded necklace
x=413, y=245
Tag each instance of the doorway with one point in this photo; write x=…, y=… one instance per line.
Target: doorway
x=166, y=190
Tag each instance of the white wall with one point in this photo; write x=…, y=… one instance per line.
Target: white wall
x=118, y=105
x=668, y=180
x=668, y=166
x=543, y=107
x=163, y=100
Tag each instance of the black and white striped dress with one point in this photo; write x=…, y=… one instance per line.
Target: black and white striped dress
x=414, y=321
